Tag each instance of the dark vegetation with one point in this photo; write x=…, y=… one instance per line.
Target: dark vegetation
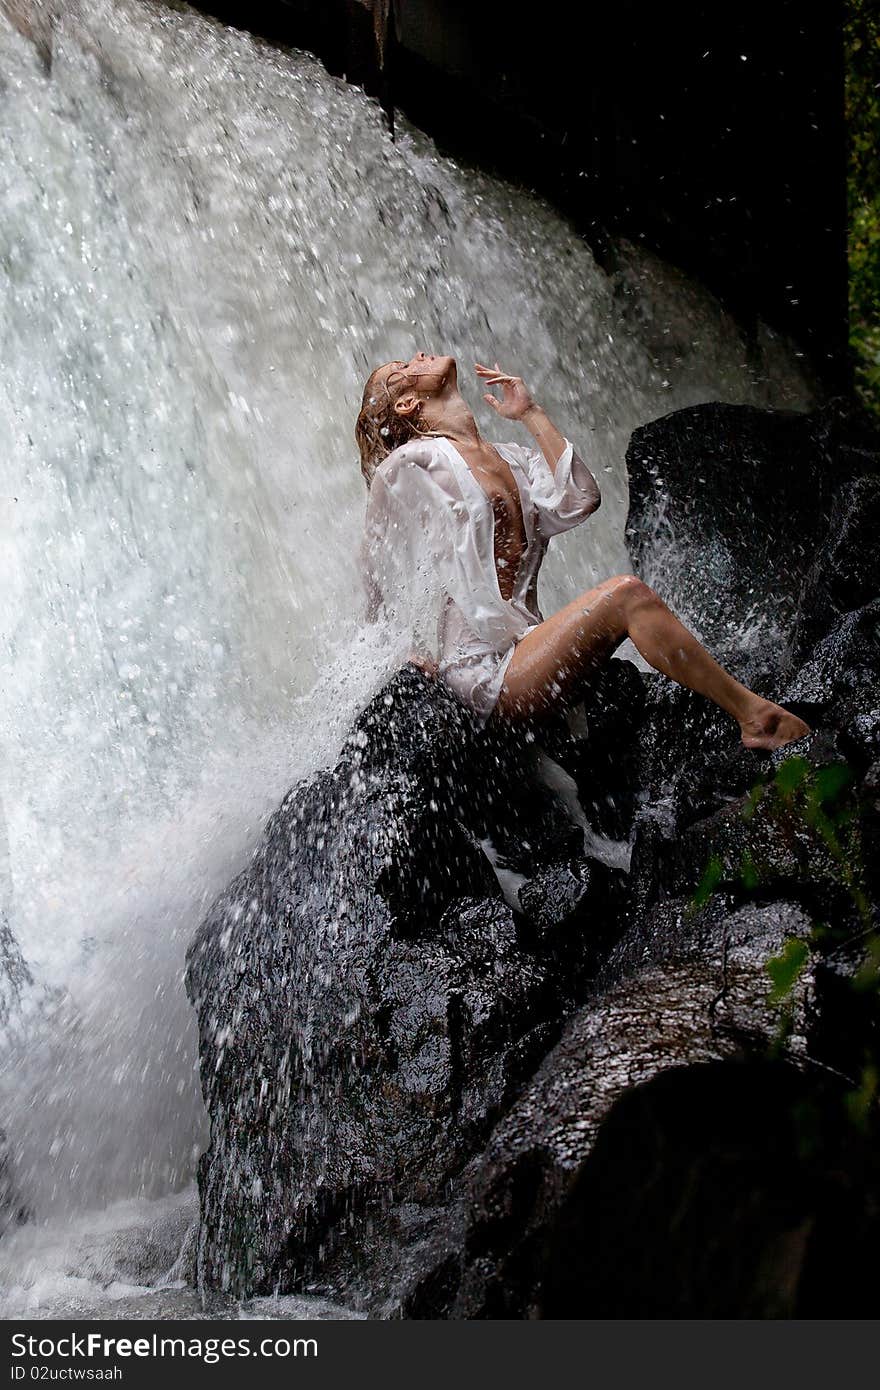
x=863, y=186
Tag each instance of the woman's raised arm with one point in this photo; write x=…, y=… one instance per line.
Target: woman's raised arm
x=516, y=403
x=576, y=494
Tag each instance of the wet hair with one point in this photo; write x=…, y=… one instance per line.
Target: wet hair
x=379, y=428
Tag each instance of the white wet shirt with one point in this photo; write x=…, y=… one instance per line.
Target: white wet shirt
x=430, y=557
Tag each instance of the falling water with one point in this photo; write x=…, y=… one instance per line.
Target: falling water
x=205, y=245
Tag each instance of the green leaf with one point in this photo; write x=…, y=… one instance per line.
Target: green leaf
x=753, y=800
x=791, y=774
x=785, y=969
x=868, y=974
x=712, y=875
x=831, y=781
x=748, y=872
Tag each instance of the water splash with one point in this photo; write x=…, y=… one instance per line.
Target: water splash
x=206, y=245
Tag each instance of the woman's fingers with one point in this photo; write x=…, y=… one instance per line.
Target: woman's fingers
x=493, y=371
x=510, y=385
x=493, y=378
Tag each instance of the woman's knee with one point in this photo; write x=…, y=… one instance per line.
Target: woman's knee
x=632, y=592
x=626, y=592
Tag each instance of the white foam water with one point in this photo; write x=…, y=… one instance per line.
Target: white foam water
x=206, y=244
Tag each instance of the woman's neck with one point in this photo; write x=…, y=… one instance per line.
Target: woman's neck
x=452, y=418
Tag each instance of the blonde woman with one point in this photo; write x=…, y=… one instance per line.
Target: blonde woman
x=467, y=523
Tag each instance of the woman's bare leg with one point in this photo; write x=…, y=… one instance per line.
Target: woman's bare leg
x=556, y=656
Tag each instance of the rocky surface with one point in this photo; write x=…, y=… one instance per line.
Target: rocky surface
x=728, y=508
x=486, y=1026
x=369, y=1004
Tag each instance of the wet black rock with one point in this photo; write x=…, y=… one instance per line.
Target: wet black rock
x=772, y=1195
x=552, y=897
x=368, y=1003
x=843, y=575
x=840, y=674
x=440, y=1022
x=692, y=989
x=762, y=843
x=729, y=506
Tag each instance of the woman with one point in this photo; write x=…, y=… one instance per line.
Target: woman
x=463, y=526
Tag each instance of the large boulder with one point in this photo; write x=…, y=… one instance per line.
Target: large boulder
x=843, y=575
x=728, y=508
x=472, y=980
x=719, y=1190
x=368, y=1002
x=691, y=989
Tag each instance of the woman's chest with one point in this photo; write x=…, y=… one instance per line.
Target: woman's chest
x=506, y=529
x=494, y=485
x=493, y=502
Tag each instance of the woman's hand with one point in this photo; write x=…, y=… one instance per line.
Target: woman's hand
x=425, y=662
x=515, y=401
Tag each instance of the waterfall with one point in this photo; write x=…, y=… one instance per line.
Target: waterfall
x=205, y=246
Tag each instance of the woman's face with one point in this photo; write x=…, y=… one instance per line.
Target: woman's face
x=425, y=373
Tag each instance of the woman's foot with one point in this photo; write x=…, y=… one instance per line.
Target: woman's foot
x=771, y=726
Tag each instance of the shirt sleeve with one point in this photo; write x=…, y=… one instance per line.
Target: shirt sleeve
x=563, y=496
x=405, y=552
x=405, y=513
